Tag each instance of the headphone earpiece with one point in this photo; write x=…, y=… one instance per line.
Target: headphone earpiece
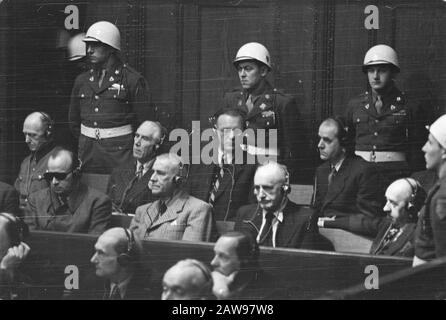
x=343, y=131
x=182, y=174
x=286, y=186
x=163, y=136
x=125, y=258
x=46, y=119
x=414, y=191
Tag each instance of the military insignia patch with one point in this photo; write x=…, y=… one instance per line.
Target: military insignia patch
x=440, y=208
x=91, y=79
x=116, y=72
x=267, y=96
x=111, y=79
x=267, y=113
x=367, y=106
x=398, y=99
x=262, y=106
x=240, y=103
x=392, y=107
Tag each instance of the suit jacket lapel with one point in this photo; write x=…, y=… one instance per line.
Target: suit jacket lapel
x=397, y=245
x=338, y=183
x=175, y=206
x=287, y=228
x=76, y=197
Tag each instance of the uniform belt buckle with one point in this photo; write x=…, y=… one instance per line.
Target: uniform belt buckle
x=97, y=134
x=373, y=156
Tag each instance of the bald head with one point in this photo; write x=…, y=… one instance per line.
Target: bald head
x=34, y=129
x=272, y=171
x=398, y=195
x=401, y=190
x=186, y=280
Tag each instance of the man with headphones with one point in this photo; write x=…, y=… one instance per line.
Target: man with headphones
x=348, y=192
x=226, y=183
x=67, y=205
x=13, y=252
x=175, y=215
x=38, y=131
x=128, y=184
x=117, y=261
x=188, y=279
x=276, y=221
x=405, y=198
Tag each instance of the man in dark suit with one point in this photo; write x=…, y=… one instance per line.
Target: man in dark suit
x=276, y=221
x=67, y=205
x=9, y=199
x=227, y=183
x=128, y=184
x=396, y=235
x=117, y=261
x=347, y=192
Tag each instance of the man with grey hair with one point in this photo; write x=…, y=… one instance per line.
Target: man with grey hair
x=175, y=215
x=188, y=279
x=128, y=183
x=276, y=221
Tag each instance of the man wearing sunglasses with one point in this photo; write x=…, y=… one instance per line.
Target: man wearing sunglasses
x=67, y=205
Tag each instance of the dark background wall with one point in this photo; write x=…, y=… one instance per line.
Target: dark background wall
x=185, y=50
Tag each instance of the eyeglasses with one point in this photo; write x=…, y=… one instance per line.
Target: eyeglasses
x=58, y=175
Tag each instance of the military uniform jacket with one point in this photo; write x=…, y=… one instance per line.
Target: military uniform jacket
x=138, y=192
x=431, y=229
x=32, y=169
x=87, y=211
x=397, y=128
x=272, y=110
x=122, y=99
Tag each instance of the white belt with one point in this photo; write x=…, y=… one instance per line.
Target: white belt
x=98, y=133
x=381, y=156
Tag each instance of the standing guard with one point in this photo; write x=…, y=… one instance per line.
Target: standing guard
x=384, y=123
x=107, y=103
x=266, y=107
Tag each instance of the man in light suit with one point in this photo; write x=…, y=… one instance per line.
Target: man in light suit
x=348, y=191
x=128, y=183
x=175, y=215
x=67, y=205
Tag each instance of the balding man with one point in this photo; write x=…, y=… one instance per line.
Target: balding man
x=117, y=261
x=405, y=197
x=188, y=279
x=38, y=131
x=67, y=205
x=128, y=184
x=276, y=221
x=175, y=215
x=347, y=191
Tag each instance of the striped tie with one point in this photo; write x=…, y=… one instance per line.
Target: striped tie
x=216, y=184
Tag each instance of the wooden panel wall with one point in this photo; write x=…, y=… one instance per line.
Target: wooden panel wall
x=185, y=50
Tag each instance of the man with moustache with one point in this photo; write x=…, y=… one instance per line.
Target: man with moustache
x=128, y=183
x=107, y=103
x=347, y=191
x=175, y=215
x=38, y=130
x=67, y=205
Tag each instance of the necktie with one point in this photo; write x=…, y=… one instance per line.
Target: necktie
x=115, y=294
x=332, y=174
x=378, y=104
x=266, y=237
x=249, y=103
x=140, y=171
x=216, y=185
x=162, y=208
x=137, y=176
x=101, y=78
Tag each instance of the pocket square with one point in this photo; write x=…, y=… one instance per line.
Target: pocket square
x=174, y=223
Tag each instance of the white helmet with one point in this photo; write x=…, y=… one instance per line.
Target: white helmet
x=438, y=130
x=76, y=47
x=105, y=32
x=253, y=51
x=380, y=54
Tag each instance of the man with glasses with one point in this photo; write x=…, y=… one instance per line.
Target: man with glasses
x=67, y=205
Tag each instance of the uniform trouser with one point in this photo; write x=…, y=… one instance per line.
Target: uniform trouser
x=103, y=155
x=392, y=171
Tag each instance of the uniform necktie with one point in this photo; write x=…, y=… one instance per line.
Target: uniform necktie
x=332, y=174
x=249, y=103
x=101, y=77
x=115, y=294
x=216, y=185
x=266, y=237
x=378, y=104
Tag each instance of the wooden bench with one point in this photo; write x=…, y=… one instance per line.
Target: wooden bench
x=309, y=273
x=344, y=241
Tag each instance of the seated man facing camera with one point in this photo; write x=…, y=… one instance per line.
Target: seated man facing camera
x=128, y=184
x=67, y=205
x=188, y=279
x=13, y=251
x=117, y=261
x=405, y=197
x=175, y=215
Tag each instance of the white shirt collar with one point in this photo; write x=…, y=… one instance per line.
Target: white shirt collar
x=339, y=163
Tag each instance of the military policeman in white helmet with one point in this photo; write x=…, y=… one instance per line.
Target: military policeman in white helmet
x=430, y=235
x=107, y=103
x=266, y=107
x=384, y=123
